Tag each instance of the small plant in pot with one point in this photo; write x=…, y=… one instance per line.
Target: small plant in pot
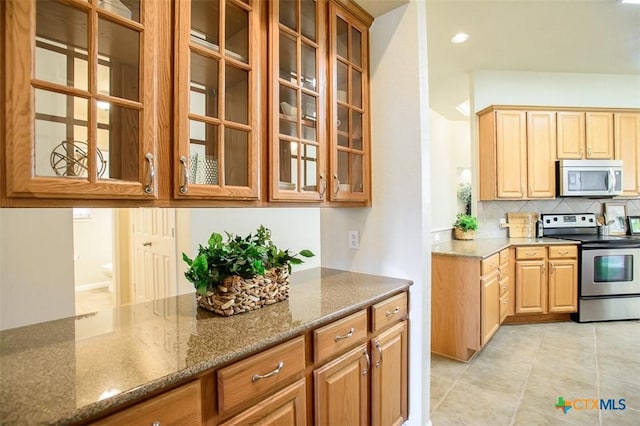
x=241, y=274
x=465, y=226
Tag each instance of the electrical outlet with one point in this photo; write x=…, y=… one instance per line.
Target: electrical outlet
x=503, y=220
x=354, y=239
x=436, y=237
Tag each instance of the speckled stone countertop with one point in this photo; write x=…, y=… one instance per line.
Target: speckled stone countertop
x=485, y=247
x=74, y=369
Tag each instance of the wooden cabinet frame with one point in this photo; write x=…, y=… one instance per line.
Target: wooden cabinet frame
x=21, y=181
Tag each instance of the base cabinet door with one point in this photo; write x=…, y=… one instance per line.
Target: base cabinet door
x=563, y=275
x=342, y=389
x=530, y=286
x=490, y=302
x=285, y=408
x=389, y=376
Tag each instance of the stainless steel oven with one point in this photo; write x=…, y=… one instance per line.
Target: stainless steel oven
x=608, y=270
x=609, y=277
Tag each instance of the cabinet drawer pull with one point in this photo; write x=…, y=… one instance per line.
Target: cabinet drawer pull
x=155, y=424
x=346, y=336
x=152, y=174
x=530, y=253
x=257, y=377
x=185, y=175
x=366, y=356
x=390, y=313
x=336, y=181
x=378, y=362
x=563, y=252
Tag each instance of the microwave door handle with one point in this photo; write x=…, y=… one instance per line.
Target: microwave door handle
x=612, y=181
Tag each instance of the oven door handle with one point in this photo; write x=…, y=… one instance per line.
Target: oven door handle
x=596, y=246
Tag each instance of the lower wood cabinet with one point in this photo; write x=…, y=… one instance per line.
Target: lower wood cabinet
x=351, y=371
x=466, y=302
x=546, y=280
x=389, y=379
x=342, y=389
x=181, y=407
x=285, y=408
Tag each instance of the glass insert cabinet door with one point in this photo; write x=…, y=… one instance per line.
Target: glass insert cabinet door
x=349, y=109
x=296, y=100
x=216, y=95
x=80, y=98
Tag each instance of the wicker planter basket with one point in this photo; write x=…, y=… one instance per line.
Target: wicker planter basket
x=463, y=235
x=237, y=294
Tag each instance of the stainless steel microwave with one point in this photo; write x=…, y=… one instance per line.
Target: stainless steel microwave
x=589, y=178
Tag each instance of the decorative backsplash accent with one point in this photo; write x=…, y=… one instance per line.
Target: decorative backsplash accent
x=489, y=213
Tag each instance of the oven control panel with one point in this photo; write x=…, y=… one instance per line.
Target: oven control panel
x=584, y=220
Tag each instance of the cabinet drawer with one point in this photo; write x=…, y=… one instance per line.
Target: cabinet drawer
x=339, y=336
x=389, y=311
x=563, y=252
x=490, y=263
x=259, y=374
x=504, y=256
x=180, y=406
x=524, y=253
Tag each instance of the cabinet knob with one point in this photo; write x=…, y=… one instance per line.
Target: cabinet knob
x=146, y=244
x=152, y=174
x=185, y=175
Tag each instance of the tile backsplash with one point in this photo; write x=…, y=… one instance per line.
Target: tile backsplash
x=489, y=213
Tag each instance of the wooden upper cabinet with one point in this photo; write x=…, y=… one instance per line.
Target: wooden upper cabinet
x=297, y=100
x=585, y=135
x=82, y=98
x=571, y=135
x=627, y=149
x=350, y=153
x=599, y=135
x=217, y=97
x=541, y=154
x=511, y=151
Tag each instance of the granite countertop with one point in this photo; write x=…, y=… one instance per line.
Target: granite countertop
x=74, y=369
x=485, y=247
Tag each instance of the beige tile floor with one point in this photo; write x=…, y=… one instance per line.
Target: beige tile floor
x=98, y=299
x=519, y=375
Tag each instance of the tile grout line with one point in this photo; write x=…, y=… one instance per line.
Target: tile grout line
x=599, y=395
x=526, y=382
x=455, y=382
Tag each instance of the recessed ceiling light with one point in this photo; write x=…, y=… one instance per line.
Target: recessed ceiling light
x=460, y=38
x=630, y=1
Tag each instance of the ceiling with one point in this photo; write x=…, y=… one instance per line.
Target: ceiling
x=574, y=36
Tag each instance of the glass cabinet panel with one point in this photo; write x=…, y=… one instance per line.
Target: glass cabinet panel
x=349, y=139
x=296, y=148
x=217, y=134
x=82, y=99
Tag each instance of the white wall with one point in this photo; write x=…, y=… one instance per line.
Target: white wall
x=394, y=232
x=554, y=89
x=291, y=228
x=450, y=148
x=92, y=246
x=36, y=266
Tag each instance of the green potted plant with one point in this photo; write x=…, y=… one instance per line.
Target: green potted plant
x=465, y=226
x=241, y=274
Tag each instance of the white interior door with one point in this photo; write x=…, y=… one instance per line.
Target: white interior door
x=154, y=253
